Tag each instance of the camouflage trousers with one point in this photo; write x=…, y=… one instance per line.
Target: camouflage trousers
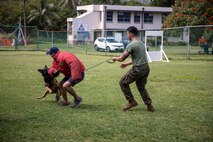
x=137, y=74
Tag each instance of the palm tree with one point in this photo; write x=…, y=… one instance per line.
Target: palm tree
x=69, y=3
x=25, y=9
x=43, y=14
x=112, y=2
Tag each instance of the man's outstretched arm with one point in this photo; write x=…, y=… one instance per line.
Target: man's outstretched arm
x=122, y=57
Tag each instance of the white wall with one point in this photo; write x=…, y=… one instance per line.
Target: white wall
x=89, y=20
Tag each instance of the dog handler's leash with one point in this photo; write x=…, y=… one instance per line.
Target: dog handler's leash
x=108, y=61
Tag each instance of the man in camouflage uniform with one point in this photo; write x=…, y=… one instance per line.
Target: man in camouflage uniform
x=138, y=73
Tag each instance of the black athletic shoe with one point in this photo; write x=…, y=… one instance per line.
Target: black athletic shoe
x=76, y=103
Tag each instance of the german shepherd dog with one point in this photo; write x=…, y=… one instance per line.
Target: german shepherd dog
x=51, y=84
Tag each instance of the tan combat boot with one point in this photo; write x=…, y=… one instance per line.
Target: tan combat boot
x=130, y=105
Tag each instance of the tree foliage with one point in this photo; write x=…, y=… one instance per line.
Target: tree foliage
x=10, y=13
x=44, y=14
x=185, y=12
x=162, y=3
x=132, y=3
x=72, y=4
x=86, y=2
x=189, y=13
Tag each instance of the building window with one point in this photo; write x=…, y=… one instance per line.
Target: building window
x=109, y=16
x=123, y=16
x=137, y=17
x=148, y=18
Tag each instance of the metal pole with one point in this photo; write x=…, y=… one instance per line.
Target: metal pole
x=85, y=44
x=25, y=9
x=142, y=14
x=37, y=40
x=104, y=14
x=188, y=48
x=106, y=51
x=68, y=30
x=187, y=33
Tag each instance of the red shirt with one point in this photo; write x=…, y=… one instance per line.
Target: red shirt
x=202, y=40
x=68, y=64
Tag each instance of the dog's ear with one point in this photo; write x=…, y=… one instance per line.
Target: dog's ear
x=40, y=70
x=45, y=67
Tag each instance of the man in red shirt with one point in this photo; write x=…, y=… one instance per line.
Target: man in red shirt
x=73, y=70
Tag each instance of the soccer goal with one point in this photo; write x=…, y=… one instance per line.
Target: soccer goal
x=155, y=55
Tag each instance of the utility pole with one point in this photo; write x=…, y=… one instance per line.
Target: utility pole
x=25, y=9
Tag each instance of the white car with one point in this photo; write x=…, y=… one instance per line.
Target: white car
x=108, y=44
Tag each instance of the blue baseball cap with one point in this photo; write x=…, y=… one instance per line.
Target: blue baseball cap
x=52, y=50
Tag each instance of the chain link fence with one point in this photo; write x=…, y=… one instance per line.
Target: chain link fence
x=188, y=41
x=47, y=39
x=18, y=37
x=178, y=43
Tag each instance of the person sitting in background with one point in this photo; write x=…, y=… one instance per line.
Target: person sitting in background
x=206, y=48
x=202, y=41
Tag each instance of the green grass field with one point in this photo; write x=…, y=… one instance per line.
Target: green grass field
x=181, y=90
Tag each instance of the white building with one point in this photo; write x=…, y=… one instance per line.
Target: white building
x=93, y=21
